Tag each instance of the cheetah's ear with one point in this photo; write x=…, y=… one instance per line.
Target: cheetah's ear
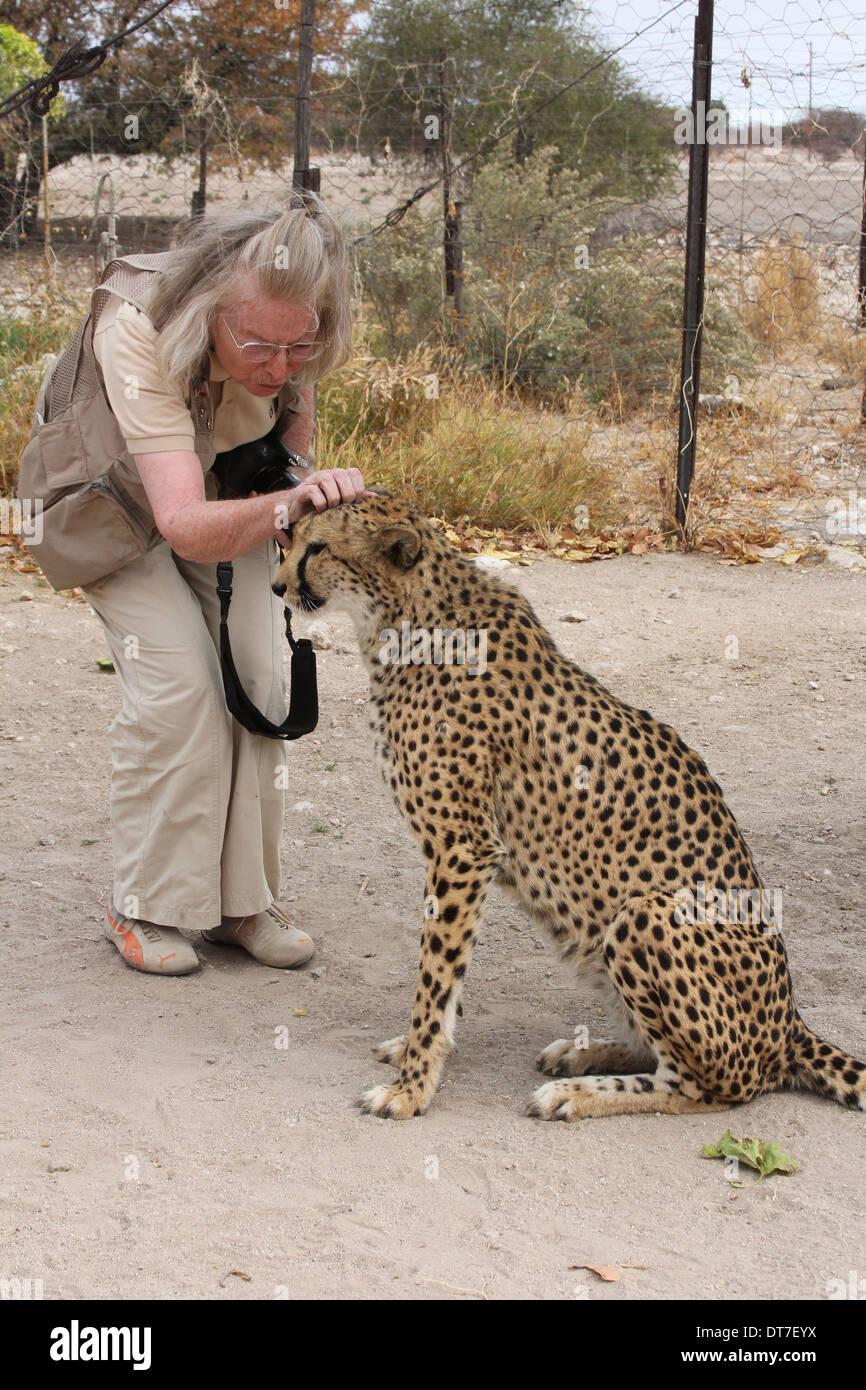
x=400, y=543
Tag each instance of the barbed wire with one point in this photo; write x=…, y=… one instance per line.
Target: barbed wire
x=78, y=61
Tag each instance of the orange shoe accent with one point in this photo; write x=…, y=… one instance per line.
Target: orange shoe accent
x=132, y=950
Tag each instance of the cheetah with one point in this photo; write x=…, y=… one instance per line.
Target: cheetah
x=524, y=770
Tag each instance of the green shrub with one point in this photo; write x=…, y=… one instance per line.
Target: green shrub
x=544, y=313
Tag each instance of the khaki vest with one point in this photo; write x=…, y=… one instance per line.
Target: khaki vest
x=95, y=513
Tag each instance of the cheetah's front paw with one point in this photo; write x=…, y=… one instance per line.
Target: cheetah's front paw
x=393, y=1051
x=396, y=1102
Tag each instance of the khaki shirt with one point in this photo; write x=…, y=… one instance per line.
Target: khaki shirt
x=154, y=418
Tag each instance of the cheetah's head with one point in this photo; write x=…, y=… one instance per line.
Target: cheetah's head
x=362, y=550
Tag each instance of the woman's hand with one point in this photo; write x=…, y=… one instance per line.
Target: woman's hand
x=327, y=487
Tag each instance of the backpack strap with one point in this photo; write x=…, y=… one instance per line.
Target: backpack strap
x=64, y=374
x=131, y=276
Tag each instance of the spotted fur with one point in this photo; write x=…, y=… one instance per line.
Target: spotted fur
x=530, y=773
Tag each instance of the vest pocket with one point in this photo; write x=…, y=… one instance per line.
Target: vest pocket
x=110, y=488
x=89, y=532
x=54, y=459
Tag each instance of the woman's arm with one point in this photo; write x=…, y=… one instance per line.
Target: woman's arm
x=205, y=531
x=300, y=432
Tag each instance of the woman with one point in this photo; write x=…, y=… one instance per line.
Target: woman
x=190, y=353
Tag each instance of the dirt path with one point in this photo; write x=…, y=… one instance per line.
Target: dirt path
x=156, y=1140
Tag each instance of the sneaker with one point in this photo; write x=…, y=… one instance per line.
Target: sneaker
x=269, y=936
x=145, y=946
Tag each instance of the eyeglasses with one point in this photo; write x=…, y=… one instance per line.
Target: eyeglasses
x=264, y=352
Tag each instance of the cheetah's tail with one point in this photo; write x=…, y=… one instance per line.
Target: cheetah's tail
x=818, y=1066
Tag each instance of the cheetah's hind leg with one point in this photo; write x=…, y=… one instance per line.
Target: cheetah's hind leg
x=625, y=1050
x=675, y=986
x=565, y=1057
x=581, y=1097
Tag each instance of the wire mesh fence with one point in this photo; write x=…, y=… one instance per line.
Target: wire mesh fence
x=515, y=186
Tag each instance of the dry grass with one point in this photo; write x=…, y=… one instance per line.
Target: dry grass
x=462, y=453
x=846, y=349
x=783, y=295
x=745, y=468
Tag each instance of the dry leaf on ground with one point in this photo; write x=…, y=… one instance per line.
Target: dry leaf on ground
x=609, y=1273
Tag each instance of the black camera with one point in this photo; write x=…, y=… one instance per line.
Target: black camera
x=261, y=466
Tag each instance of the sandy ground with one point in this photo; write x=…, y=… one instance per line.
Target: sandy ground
x=158, y=1142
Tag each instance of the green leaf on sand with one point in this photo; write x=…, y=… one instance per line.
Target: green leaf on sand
x=766, y=1158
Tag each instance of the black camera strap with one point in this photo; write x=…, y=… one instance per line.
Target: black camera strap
x=263, y=465
x=303, y=712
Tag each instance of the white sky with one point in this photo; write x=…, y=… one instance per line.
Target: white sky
x=768, y=37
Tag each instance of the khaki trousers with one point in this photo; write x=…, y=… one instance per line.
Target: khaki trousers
x=197, y=802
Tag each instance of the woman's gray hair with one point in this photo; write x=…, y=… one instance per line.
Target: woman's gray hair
x=297, y=256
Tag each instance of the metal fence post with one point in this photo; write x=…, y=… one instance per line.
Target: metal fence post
x=199, y=195
x=861, y=279
x=696, y=239
x=459, y=285
x=302, y=175
x=453, y=233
